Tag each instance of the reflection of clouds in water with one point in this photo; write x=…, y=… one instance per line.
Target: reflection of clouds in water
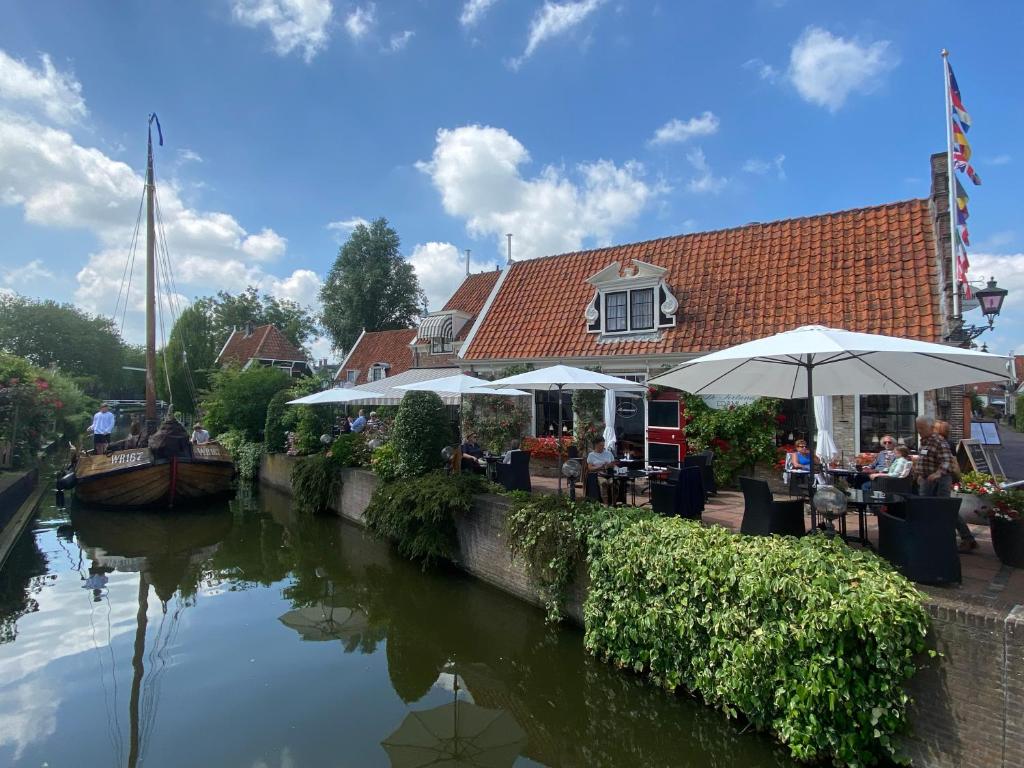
x=67, y=623
x=286, y=761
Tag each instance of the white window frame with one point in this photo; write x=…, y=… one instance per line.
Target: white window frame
x=378, y=372
x=614, y=280
x=441, y=345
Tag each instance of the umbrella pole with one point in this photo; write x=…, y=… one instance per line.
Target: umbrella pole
x=811, y=432
x=558, y=439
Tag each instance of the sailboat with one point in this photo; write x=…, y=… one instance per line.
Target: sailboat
x=162, y=470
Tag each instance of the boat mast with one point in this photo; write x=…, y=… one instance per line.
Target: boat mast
x=138, y=669
x=151, y=420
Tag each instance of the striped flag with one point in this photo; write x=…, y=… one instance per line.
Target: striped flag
x=958, y=102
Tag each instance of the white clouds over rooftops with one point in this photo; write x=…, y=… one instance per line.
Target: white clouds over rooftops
x=294, y=24
x=553, y=20
x=676, y=131
x=473, y=11
x=440, y=269
x=478, y=172
x=46, y=91
x=826, y=69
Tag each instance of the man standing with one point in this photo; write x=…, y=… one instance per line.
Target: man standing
x=598, y=460
x=101, y=427
x=935, y=467
x=359, y=423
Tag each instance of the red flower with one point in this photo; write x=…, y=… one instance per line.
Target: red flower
x=42, y=384
x=780, y=418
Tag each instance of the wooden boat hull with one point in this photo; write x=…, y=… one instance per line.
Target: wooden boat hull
x=135, y=479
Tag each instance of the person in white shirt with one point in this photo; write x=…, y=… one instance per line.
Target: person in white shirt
x=598, y=460
x=199, y=435
x=101, y=427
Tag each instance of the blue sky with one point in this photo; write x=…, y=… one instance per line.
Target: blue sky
x=569, y=124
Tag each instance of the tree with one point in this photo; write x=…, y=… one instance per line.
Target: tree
x=238, y=399
x=228, y=311
x=86, y=347
x=370, y=286
x=190, y=357
x=420, y=432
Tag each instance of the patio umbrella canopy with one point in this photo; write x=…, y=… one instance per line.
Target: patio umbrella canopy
x=815, y=360
x=561, y=377
x=336, y=395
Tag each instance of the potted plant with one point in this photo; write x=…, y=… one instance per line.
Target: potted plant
x=975, y=489
x=1004, y=517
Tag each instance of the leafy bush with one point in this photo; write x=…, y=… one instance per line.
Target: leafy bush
x=315, y=483
x=804, y=637
x=385, y=463
x=420, y=433
x=349, y=450
x=552, y=534
x=739, y=436
x=418, y=513
x=238, y=399
x=274, y=429
x=246, y=453
x=308, y=422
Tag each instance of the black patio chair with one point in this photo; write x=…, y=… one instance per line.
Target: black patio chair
x=591, y=490
x=900, y=485
x=515, y=476
x=763, y=515
x=708, y=473
x=681, y=499
x=921, y=543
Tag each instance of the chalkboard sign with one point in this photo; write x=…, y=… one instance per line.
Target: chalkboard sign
x=971, y=456
x=985, y=432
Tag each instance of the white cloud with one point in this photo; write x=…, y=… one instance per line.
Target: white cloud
x=705, y=181
x=676, y=130
x=294, y=24
x=1008, y=270
x=764, y=70
x=344, y=227
x=189, y=156
x=46, y=91
x=473, y=11
x=27, y=273
x=266, y=246
x=555, y=19
x=360, y=21
x=760, y=167
x=1000, y=160
x=826, y=69
x=477, y=170
x=301, y=286
x=440, y=269
x=399, y=40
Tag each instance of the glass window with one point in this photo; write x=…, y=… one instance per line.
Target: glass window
x=546, y=404
x=887, y=415
x=663, y=413
x=440, y=345
x=377, y=372
x=792, y=422
x=641, y=309
x=615, y=312
x=351, y=376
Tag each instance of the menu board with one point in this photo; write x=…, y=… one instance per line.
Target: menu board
x=971, y=455
x=986, y=432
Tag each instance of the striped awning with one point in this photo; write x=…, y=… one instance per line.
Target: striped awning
x=436, y=327
x=384, y=392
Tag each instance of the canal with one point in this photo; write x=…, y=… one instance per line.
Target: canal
x=250, y=636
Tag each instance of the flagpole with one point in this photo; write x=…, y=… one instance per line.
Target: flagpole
x=951, y=183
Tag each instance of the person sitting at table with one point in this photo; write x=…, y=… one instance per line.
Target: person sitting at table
x=799, y=459
x=471, y=453
x=507, y=456
x=901, y=466
x=599, y=460
x=883, y=458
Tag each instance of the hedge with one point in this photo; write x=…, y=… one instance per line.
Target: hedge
x=807, y=638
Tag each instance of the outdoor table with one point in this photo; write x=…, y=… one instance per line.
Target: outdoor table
x=493, y=460
x=625, y=481
x=862, y=502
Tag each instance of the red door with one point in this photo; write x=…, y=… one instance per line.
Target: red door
x=666, y=433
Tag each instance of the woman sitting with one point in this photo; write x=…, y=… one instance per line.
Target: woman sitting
x=800, y=459
x=901, y=466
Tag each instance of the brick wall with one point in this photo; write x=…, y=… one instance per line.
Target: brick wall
x=968, y=709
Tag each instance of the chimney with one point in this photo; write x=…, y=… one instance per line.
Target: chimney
x=250, y=327
x=467, y=262
x=509, y=236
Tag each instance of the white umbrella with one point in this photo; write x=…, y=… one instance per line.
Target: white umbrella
x=561, y=377
x=830, y=361
x=823, y=418
x=460, y=384
x=609, y=419
x=335, y=395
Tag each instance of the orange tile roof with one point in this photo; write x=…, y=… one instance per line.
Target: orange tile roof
x=470, y=297
x=265, y=342
x=871, y=270
x=391, y=347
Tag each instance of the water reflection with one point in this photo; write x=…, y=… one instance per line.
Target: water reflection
x=277, y=638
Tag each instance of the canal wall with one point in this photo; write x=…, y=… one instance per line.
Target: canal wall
x=968, y=709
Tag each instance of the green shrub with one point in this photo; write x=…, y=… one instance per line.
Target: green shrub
x=805, y=637
x=418, y=513
x=739, y=436
x=552, y=534
x=420, y=432
x=239, y=399
x=275, y=431
x=315, y=483
x=308, y=422
x=349, y=450
x=246, y=453
x=385, y=463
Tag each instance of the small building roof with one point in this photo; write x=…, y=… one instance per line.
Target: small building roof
x=264, y=342
x=471, y=296
x=373, y=347
x=872, y=270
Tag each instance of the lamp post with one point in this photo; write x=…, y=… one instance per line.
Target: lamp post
x=991, y=299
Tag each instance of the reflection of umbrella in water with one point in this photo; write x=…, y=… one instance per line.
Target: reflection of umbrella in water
x=316, y=623
x=456, y=735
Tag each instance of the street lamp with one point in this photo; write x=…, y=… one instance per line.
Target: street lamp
x=991, y=299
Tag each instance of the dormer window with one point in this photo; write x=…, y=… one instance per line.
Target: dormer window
x=378, y=371
x=630, y=299
x=439, y=331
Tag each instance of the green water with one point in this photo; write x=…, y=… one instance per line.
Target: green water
x=250, y=636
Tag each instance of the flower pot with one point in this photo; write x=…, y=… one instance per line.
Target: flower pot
x=1008, y=540
x=971, y=507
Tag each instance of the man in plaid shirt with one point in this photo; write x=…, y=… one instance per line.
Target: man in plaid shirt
x=935, y=467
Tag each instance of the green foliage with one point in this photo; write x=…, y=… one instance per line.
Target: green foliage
x=308, y=422
x=315, y=483
x=238, y=399
x=496, y=420
x=274, y=429
x=246, y=453
x=977, y=404
x=418, y=513
x=370, y=286
x=385, y=463
x=553, y=533
x=229, y=311
x=350, y=449
x=420, y=433
x=739, y=436
x=190, y=357
x=588, y=421
x=807, y=638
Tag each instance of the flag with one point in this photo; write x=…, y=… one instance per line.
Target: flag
x=964, y=167
x=961, y=196
x=961, y=147
x=961, y=216
x=957, y=102
x=964, y=236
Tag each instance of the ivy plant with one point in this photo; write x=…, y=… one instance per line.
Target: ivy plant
x=739, y=436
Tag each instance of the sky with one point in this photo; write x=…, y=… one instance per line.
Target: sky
x=570, y=124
